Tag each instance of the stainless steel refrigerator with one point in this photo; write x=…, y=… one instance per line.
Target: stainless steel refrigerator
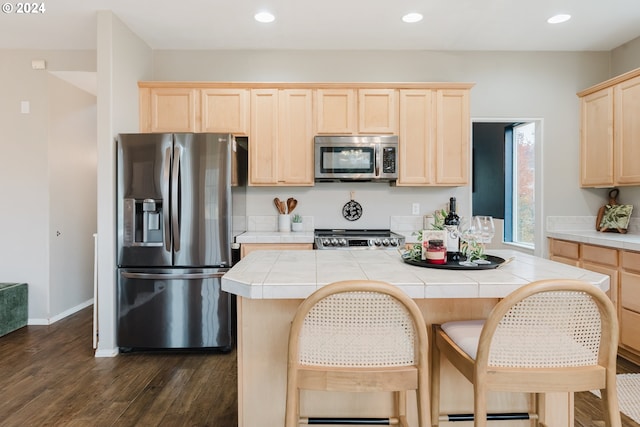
x=177, y=198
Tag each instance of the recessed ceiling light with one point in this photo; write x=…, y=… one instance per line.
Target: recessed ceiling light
x=558, y=19
x=412, y=17
x=264, y=17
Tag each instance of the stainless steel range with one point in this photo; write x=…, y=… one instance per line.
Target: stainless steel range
x=357, y=239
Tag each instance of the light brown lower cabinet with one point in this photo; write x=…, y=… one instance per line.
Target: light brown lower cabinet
x=623, y=269
x=565, y=252
x=246, y=248
x=630, y=303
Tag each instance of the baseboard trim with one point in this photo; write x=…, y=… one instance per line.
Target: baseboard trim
x=66, y=313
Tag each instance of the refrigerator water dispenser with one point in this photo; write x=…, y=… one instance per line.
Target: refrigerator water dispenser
x=143, y=222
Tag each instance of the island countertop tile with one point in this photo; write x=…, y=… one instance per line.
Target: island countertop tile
x=297, y=274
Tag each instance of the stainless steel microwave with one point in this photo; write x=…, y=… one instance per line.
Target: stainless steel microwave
x=356, y=158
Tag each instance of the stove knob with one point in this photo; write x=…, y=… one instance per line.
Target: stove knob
x=342, y=242
x=394, y=242
x=377, y=242
x=334, y=242
x=385, y=242
x=326, y=242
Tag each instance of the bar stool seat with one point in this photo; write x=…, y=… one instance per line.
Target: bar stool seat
x=358, y=336
x=548, y=336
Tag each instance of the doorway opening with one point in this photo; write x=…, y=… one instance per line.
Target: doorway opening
x=506, y=180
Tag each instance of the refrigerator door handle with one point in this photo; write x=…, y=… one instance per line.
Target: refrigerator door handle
x=165, y=192
x=183, y=276
x=175, y=203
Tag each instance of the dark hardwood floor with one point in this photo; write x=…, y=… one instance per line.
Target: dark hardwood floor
x=50, y=377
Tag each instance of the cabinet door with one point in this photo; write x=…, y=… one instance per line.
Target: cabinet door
x=565, y=249
x=377, y=111
x=630, y=310
x=225, y=111
x=263, y=137
x=295, y=130
x=452, y=136
x=416, y=165
x=174, y=110
x=613, y=291
x=336, y=111
x=627, y=132
x=605, y=261
x=596, y=139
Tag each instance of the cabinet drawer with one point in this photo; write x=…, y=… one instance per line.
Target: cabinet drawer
x=630, y=291
x=565, y=249
x=600, y=255
x=630, y=329
x=568, y=261
x=631, y=260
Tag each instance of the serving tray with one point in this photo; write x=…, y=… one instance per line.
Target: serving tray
x=494, y=262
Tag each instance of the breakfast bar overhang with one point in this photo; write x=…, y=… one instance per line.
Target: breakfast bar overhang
x=271, y=284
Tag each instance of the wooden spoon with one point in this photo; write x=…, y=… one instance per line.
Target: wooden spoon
x=278, y=205
x=291, y=204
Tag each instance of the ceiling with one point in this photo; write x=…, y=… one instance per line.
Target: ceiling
x=333, y=24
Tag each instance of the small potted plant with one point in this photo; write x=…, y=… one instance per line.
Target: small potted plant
x=296, y=222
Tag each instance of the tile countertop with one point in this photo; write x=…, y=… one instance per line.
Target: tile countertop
x=582, y=229
x=297, y=274
x=614, y=240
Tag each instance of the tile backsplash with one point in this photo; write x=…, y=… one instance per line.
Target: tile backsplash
x=270, y=223
x=583, y=223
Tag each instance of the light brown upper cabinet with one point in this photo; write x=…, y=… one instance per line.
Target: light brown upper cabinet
x=167, y=109
x=434, y=137
x=596, y=139
x=357, y=111
x=378, y=111
x=609, y=135
x=336, y=111
x=452, y=136
x=191, y=109
x=225, y=111
x=431, y=120
x=416, y=147
x=281, y=137
x=627, y=132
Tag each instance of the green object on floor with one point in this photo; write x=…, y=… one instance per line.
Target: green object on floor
x=13, y=307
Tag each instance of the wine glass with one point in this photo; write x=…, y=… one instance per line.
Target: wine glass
x=485, y=228
x=469, y=247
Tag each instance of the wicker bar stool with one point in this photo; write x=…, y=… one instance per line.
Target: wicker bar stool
x=548, y=336
x=358, y=336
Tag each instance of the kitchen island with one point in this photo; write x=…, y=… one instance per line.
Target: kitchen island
x=271, y=284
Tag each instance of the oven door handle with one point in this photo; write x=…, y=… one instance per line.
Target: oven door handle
x=378, y=160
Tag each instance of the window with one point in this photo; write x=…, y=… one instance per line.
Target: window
x=520, y=162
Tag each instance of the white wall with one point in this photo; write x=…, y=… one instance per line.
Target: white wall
x=123, y=60
x=72, y=195
x=26, y=228
x=626, y=57
x=540, y=85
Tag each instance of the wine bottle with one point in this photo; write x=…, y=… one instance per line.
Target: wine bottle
x=451, y=223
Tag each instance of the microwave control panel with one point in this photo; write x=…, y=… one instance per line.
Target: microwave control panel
x=388, y=160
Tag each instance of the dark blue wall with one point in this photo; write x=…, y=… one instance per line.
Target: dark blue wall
x=488, y=168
